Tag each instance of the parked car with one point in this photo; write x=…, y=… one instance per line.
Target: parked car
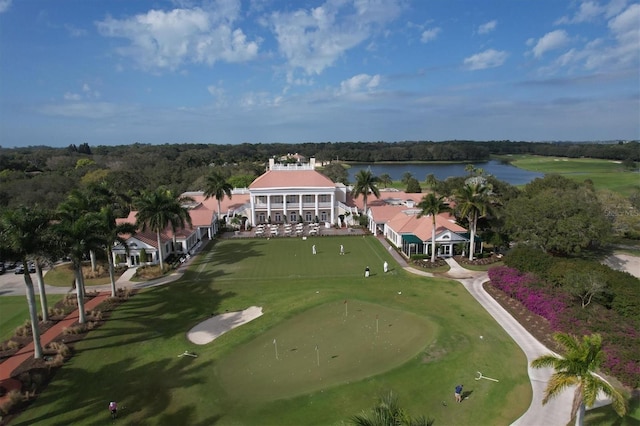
x=19, y=270
x=32, y=268
x=2, y=268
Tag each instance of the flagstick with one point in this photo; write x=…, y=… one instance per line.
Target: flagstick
x=275, y=344
x=377, y=324
x=346, y=309
x=318, y=355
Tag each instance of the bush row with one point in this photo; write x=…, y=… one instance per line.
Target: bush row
x=621, y=338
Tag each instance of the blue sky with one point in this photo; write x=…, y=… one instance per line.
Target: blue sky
x=115, y=72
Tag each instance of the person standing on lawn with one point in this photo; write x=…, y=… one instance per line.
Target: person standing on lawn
x=113, y=408
x=458, y=393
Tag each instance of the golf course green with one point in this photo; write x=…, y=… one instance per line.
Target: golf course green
x=426, y=340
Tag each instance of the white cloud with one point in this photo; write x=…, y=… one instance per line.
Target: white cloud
x=68, y=96
x=94, y=110
x=589, y=11
x=487, y=27
x=550, y=41
x=359, y=83
x=616, y=52
x=167, y=40
x=87, y=93
x=488, y=59
x=313, y=39
x=429, y=35
x=4, y=5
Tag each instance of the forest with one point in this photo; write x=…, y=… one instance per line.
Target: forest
x=45, y=175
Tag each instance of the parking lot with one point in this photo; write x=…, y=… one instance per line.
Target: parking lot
x=12, y=284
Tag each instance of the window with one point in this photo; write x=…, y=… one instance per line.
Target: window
x=324, y=198
x=309, y=198
x=278, y=217
x=308, y=217
x=293, y=217
x=261, y=218
x=323, y=216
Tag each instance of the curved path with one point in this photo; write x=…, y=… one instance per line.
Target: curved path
x=558, y=410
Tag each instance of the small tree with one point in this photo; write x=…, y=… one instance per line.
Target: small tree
x=577, y=367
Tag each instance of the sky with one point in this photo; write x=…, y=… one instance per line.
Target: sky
x=115, y=72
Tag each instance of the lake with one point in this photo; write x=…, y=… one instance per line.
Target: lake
x=502, y=171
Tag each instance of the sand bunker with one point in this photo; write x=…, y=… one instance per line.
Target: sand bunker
x=209, y=330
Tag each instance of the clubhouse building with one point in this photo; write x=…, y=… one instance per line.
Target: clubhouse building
x=297, y=194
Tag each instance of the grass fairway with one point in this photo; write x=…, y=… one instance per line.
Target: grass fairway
x=134, y=359
x=605, y=174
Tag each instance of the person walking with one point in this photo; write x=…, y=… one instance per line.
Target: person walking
x=113, y=408
x=341, y=249
x=313, y=249
x=458, y=393
x=366, y=272
x=385, y=266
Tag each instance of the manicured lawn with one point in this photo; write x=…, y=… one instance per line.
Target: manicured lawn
x=427, y=341
x=62, y=276
x=605, y=174
x=14, y=312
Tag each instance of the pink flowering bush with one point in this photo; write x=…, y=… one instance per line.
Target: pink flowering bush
x=622, y=340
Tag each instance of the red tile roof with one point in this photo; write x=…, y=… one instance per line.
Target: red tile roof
x=292, y=179
x=407, y=222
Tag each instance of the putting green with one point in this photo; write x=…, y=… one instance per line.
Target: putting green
x=330, y=344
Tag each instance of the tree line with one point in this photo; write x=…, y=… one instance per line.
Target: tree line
x=45, y=175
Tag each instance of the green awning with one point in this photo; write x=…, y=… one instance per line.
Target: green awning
x=476, y=238
x=411, y=239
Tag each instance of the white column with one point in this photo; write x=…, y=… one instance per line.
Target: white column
x=333, y=208
x=284, y=207
x=300, y=206
x=268, y=206
x=316, y=197
x=253, y=210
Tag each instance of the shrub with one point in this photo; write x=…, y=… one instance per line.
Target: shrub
x=24, y=330
x=529, y=259
x=14, y=399
x=60, y=348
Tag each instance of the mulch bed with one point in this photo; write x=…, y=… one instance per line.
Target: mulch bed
x=535, y=324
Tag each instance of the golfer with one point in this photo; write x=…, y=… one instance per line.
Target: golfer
x=341, y=249
x=113, y=407
x=366, y=272
x=385, y=266
x=458, y=393
x=313, y=249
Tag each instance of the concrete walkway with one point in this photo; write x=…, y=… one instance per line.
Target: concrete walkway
x=556, y=411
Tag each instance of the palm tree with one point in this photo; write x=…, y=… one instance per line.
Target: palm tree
x=82, y=202
x=159, y=209
x=386, y=180
x=432, y=205
x=432, y=181
x=20, y=231
x=406, y=177
x=473, y=202
x=577, y=367
x=111, y=232
x=77, y=238
x=218, y=187
x=365, y=183
x=387, y=412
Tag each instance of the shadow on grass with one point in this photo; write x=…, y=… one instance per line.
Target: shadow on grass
x=607, y=416
x=81, y=396
x=141, y=392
